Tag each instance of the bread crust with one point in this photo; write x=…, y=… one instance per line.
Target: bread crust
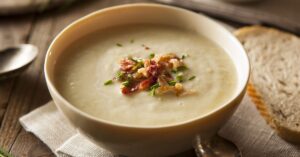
x=282, y=131
x=286, y=133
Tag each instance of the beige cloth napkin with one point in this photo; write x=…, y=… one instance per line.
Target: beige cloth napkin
x=246, y=128
x=50, y=126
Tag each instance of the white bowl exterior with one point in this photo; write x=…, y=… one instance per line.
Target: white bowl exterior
x=152, y=141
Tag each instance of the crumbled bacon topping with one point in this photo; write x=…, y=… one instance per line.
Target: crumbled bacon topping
x=126, y=64
x=158, y=74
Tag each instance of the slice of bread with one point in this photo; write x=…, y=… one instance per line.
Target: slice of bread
x=275, y=77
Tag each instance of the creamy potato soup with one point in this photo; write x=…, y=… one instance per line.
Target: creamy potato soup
x=87, y=75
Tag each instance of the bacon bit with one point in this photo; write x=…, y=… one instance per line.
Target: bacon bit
x=167, y=76
x=153, y=69
x=128, y=90
x=134, y=88
x=126, y=64
x=125, y=90
x=145, y=84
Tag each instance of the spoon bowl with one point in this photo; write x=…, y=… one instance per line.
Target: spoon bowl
x=16, y=59
x=216, y=146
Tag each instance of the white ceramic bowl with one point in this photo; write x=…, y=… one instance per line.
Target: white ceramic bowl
x=147, y=141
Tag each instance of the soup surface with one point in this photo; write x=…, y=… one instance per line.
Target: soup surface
x=94, y=59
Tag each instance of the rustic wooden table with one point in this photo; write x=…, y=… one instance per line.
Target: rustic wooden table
x=28, y=91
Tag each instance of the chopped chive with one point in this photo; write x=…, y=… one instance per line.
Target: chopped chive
x=134, y=59
x=140, y=64
x=134, y=68
x=108, y=82
x=153, y=88
x=174, y=71
x=132, y=41
x=118, y=44
x=152, y=92
x=182, y=68
x=129, y=77
x=172, y=83
x=179, y=78
x=192, y=77
x=126, y=83
x=120, y=75
x=184, y=56
x=156, y=85
x=151, y=55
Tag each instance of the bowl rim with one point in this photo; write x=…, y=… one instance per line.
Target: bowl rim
x=51, y=86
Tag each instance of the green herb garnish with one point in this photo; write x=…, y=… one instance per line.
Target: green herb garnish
x=118, y=44
x=108, y=82
x=172, y=83
x=174, y=71
x=153, y=88
x=140, y=64
x=126, y=83
x=120, y=75
x=129, y=77
x=179, y=77
x=152, y=92
x=184, y=56
x=192, y=77
x=182, y=68
x=156, y=85
x=151, y=55
x=134, y=59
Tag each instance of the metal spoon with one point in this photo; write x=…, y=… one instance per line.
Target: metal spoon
x=16, y=59
x=216, y=146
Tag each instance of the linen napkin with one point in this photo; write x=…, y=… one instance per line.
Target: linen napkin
x=246, y=128
x=50, y=126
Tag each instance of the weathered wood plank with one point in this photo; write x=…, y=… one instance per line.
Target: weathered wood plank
x=13, y=31
x=5, y=88
x=23, y=91
x=27, y=145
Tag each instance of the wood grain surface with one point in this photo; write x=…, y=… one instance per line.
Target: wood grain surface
x=28, y=91
x=9, y=7
x=283, y=14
